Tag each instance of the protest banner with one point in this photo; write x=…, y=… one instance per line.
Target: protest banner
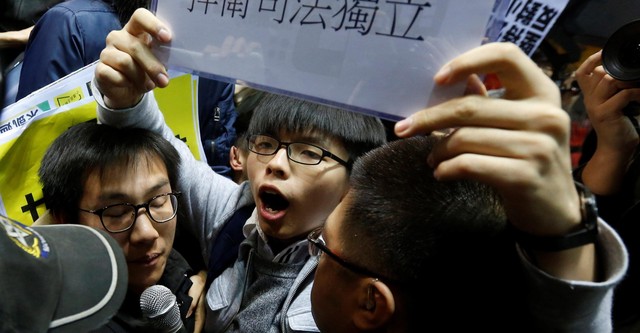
x=28, y=127
x=527, y=22
x=377, y=57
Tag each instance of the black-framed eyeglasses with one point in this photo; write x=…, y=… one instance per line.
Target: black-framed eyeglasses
x=122, y=216
x=299, y=152
x=317, y=246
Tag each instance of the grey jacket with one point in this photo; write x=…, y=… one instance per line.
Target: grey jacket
x=210, y=200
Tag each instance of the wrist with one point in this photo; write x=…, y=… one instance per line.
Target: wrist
x=587, y=233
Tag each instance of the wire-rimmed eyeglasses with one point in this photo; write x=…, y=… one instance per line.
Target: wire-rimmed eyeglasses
x=122, y=216
x=299, y=152
x=318, y=246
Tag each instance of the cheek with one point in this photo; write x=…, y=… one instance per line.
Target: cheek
x=326, y=281
x=123, y=240
x=325, y=295
x=167, y=231
x=319, y=291
x=253, y=165
x=328, y=193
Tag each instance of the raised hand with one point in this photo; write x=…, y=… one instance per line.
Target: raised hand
x=518, y=144
x=605, y=98
x=127, y=68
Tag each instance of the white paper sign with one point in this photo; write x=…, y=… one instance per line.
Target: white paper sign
x=373, y=56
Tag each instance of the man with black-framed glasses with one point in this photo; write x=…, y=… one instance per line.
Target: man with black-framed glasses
x=123, y=181
x=295, y=177
x=300, y=156
x=299, y=152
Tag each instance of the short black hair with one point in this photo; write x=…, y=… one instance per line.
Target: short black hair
x=89, y=146
x=357, y=131
x=246, y=101
x=446, y=241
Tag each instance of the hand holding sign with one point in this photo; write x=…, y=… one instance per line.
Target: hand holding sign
x=127, y=68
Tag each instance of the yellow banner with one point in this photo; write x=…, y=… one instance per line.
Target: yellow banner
x=28, y=127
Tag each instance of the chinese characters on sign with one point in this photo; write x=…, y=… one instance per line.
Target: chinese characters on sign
x=372, y=56
x=19, y=121
x=528, y=22
x=358, y=15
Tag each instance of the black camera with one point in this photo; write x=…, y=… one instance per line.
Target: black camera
x=621, y=59
x=621, y=53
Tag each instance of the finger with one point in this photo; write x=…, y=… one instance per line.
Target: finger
x=480, y=111
x=521, y=184
x=521, y=77
x=127, y=67
x=605, y=86
x=143, y=21
x=142, y=61
x=499, y=172
x=598, y=72
x=525, y=145
x=105, y=74
x=200, y=315
x=589, y=82
x=135, y=39
x=475, y=86
x=530, y=166
x=587, y=67
x=197, y=290
x=622, y=99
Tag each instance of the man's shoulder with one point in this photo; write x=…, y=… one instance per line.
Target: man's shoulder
x=80, y=6
x=94, y=15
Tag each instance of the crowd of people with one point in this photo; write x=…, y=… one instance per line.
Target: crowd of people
x=321, y=223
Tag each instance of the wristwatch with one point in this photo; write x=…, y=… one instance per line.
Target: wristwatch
x=588, y=233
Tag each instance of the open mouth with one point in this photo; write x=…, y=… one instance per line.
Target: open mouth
x=273, y=202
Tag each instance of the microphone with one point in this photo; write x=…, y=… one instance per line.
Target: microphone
x=159, y=305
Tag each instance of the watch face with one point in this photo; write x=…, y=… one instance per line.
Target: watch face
x=588, y=206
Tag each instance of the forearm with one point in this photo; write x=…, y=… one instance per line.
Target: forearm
x=605, y=171
x=18, y=38
x=577, y=264
x=569, y=255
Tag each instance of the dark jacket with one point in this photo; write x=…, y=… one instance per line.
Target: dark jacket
x=175, y=277
x=72, y=34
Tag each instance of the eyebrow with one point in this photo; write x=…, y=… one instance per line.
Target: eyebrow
x=124, y=196
x=313, y=137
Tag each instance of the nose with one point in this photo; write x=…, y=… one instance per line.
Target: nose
x=279, y=163
x=144, y=229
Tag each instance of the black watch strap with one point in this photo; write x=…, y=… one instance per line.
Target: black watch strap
x=588, y=233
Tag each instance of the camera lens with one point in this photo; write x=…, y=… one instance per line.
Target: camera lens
x=630, y=54
x=621, y=53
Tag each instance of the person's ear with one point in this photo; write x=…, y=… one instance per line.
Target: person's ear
x=376, y=305
x=235, y=160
